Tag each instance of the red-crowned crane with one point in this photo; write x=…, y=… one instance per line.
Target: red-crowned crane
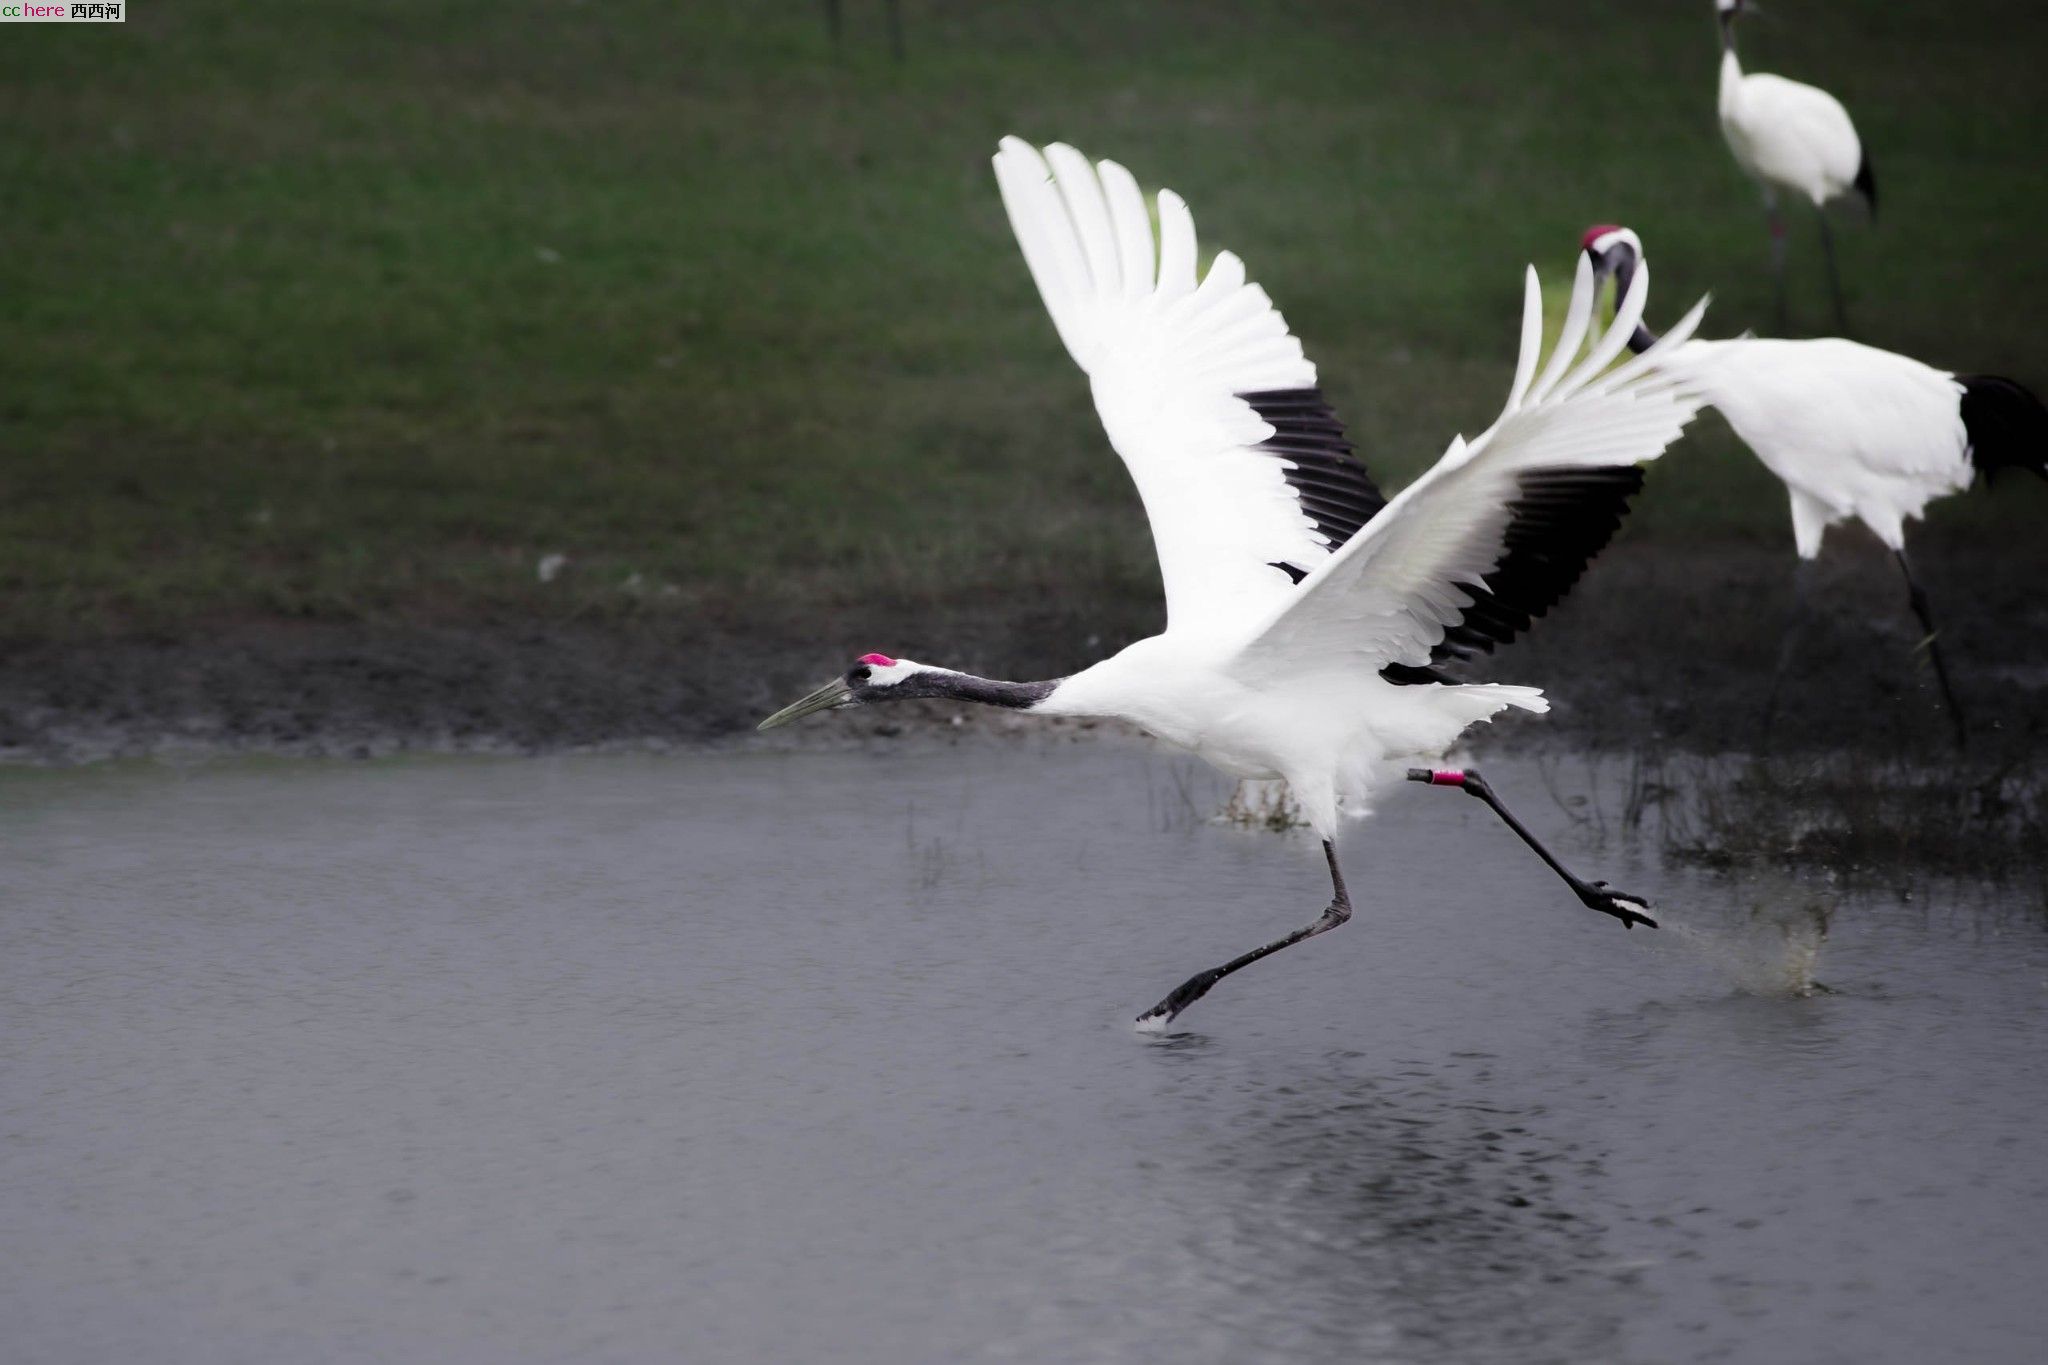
x=1854, y=432
x=1791, y=137
x=1307, y=616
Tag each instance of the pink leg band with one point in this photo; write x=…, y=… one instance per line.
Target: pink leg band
x=1447, y=777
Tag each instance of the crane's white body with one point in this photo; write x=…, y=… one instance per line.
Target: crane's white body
x=1787, y=135
x=1262, y=676
x=1852, y=431
x=1337, y=735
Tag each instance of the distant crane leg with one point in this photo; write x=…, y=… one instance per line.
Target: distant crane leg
x=895, y=10
x=1827, y=244
x=832, y=24
x=1796, y=621
x=1593, y=895
x=1776, y=221
x=1918, y=597
x=1197, y=986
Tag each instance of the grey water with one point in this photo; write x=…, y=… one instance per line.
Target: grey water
x=787, y=1056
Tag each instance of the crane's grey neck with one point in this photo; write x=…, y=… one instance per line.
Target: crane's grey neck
x=952, y=686
x=1642, y=339
x=1727, y=17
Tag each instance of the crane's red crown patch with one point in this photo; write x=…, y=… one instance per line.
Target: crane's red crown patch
x=1596, y=232
x=879, y=660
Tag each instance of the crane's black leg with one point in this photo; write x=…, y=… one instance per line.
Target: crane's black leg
x=1197, y=986
x=1827, y=243
x=1795, y=631
x=1932, y=643
x=895, y=29
x=1593, y=895
x=1777, y=226
x=832, y=22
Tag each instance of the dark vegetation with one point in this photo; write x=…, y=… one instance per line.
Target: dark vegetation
x=1861, y=815
x=1855, y=816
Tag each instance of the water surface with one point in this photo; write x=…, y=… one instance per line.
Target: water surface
x=781, y=1056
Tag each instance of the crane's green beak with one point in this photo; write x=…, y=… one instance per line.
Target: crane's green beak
x=834, y=693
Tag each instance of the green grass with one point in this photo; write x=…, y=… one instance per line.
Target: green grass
x=355, y=310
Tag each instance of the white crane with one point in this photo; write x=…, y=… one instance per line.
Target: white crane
x=1853, y=432
x=1791, y=137
x=1306, y=614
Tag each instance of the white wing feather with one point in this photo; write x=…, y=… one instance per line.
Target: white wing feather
x=1389, y=595
x=1166, y=358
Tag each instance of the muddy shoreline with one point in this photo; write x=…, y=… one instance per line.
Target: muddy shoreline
x=1658, y=647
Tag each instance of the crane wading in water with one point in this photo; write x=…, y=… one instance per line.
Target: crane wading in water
x=1796, y=138
x=1854, y=433
x=1307, y=616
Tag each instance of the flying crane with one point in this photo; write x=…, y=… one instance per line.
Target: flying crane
x=1309, y=619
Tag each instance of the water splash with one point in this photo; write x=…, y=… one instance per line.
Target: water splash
x=1262, y=804
x=1772, y=951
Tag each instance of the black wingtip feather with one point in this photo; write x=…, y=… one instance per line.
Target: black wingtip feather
x=1295, y=573
x=1562, y=518
x=1866, y=183
x=1334, y=489
x=2006, y=424
x=1409, y=675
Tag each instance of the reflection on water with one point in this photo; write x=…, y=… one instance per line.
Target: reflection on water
x=765, y=1056
x=1391, y=1207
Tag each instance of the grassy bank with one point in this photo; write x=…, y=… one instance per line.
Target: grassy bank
x=356, y=311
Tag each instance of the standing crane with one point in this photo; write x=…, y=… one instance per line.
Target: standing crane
x=1796, y=138
x=1308, y=617
x=1853, y=432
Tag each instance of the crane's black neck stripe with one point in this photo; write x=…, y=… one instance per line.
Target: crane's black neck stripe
x=1017, y=696
x=1642, y=339
x=1333, y=487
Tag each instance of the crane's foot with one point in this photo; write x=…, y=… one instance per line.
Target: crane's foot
x=1630, y=910
x=1179, y=998
x=1335, y=914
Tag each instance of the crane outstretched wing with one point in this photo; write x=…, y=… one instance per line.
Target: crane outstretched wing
x=1500, y=528
x=1244, y=470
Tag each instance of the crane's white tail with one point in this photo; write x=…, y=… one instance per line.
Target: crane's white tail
x=2006, y=424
